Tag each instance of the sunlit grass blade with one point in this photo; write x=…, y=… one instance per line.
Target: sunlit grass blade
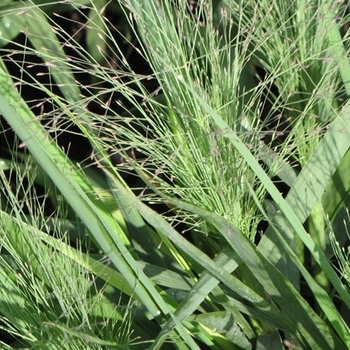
x=41, y=34
x=338, y=190
x=49, y=5
x=88, y=339
x=140, y=235
x=314, y=178
x=336, y=45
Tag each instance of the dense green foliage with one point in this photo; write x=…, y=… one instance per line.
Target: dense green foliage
x=207, y=204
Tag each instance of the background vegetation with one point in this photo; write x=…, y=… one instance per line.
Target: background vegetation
x=174, y=174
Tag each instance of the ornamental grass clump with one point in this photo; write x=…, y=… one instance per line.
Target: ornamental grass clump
x=174, y=174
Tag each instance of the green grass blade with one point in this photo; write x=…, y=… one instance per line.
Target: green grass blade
x=338, y=190
x=314, y=178
x=45, y=42
x=88, y=339
x=47, y=5
x=336, y=43
x=206, y=284
x=143, y=238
